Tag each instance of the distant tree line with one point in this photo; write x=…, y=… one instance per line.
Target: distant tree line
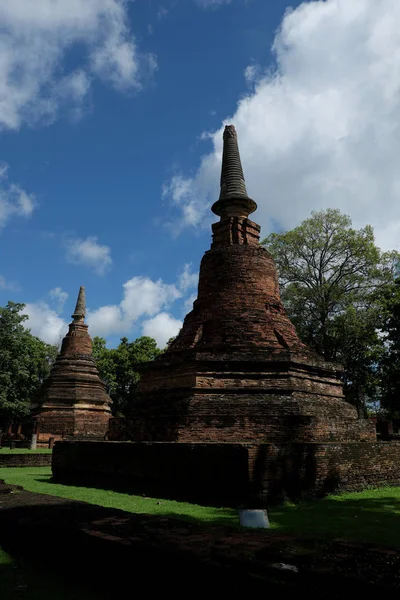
x=340, y=290
x=25, y=361
x=118, y=368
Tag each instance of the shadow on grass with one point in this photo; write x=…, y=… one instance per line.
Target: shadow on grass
x=374, y=520
x=108, y=496
x=164, y=555
x=30, y=579
x=99, y=566
x=369, y=517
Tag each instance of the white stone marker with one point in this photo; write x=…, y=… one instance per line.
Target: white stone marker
x=257, y=519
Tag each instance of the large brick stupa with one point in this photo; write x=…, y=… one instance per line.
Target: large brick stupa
x=237, y=411
x=237, y=371
x=73, y=401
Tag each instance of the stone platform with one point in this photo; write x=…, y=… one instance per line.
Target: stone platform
x=35, y=459
x=234, y=475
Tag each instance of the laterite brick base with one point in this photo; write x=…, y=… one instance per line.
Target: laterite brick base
x=237, y=372
x=228, y=474
x=25, y=460
x=62, y=422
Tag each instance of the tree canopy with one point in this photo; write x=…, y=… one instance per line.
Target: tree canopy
x=25, y=361
x=118, y=368
x=329, y=275
x=389, y=366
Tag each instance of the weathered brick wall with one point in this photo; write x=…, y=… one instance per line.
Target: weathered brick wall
x=62, y=422
x=238, y=303
x=235, y=230
x=246, y=371
x=240, y=419
x=73, y=400
x=25, y=460
x=77, y=341
x=231, y=474
x=237, y=372
x=213, y=473
x=312, y=470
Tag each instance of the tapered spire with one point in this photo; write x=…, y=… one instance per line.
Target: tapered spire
x=233, y=200
x=80, y=308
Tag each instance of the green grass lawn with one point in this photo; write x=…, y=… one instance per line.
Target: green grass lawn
x=25, y=451
x=38, y=479
x=371, y=516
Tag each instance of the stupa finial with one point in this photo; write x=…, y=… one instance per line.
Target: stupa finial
x=233, y=199
x=80, y=308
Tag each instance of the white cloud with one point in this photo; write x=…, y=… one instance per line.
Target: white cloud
x=59, y=296
x=187, y=279
x=89, y=253
x=252, y=74
x=45, y=323
x=143, y=304
x=14, y=201
x=7, y=285
x=181, y=191
x=36, y=37
x=162, y=327
x=321, y=131
x=107, y=320
x=141, y=297
x=188, y=304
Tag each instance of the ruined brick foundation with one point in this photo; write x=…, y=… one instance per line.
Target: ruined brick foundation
x=228, y=474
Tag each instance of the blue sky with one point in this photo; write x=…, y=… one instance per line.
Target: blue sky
x=111, y=115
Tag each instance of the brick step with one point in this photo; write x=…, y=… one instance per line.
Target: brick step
x=83, y=438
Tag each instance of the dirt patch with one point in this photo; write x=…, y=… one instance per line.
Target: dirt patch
x=161, y=551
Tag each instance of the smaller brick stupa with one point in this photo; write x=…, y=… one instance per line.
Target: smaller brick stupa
x=73, y=401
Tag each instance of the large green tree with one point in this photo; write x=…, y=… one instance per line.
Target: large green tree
x=329, y=275
x=25, y=361
x=118, y=368
x=389, y=367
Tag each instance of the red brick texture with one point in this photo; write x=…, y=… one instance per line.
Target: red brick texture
x=25, y=460
x=238, y=377
x=312, y=470
x=73, y=400
x=229, y=474
x=237, y=371
x=238, y=304
x=238, y=382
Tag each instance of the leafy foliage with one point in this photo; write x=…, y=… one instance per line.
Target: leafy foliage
x=25, y=361
x=390, y=359
x=118, y=368
x=329, y=276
